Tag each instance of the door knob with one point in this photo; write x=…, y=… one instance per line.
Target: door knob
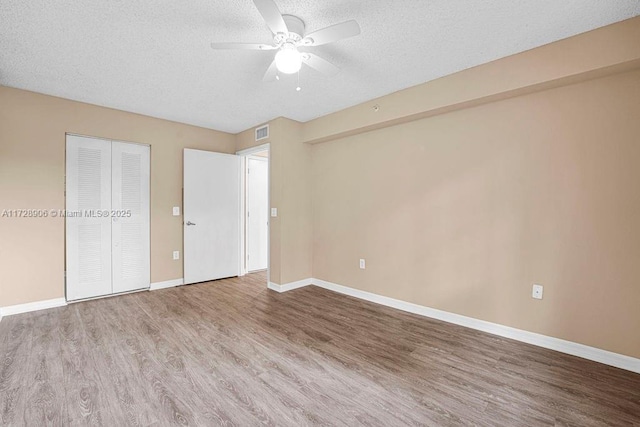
x=191, y=223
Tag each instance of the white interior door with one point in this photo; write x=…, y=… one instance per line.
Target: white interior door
x=257, y=213
x=88, y=195
x=211, y=216
x=130, y=216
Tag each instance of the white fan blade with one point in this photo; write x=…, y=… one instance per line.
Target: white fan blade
x=272, y=72
x=271, y=14
x=319, y=64
x=332, y=34
x=245, y=46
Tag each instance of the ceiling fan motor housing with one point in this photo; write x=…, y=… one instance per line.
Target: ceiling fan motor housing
x=296, y=28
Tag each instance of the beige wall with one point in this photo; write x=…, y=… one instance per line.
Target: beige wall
x=464, y=211
x=32, y=159
x=290, y=192
x=579, y=58
x=295, y=206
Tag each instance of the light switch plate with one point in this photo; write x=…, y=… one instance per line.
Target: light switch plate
x=176, y=211
x=363, y=264
x=176, y=255
x=537, y=291
x=274, y=212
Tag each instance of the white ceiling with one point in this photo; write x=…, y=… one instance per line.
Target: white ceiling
x=153, y=57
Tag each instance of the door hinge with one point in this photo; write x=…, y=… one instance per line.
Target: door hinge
x=248, y=214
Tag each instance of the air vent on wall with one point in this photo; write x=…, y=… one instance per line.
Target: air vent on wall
x=262, y=132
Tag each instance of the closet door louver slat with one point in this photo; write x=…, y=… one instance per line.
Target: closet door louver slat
x=130, y=225
x=88, y=249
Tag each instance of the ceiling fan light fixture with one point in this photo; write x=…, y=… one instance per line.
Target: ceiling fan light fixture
x=288, y=60
x=289, y=33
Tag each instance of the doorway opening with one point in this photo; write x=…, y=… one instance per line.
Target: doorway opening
x=255, y=209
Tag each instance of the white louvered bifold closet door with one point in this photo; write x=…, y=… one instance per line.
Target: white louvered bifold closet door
x=107, y=193
x=130, y=222
x=88, y=232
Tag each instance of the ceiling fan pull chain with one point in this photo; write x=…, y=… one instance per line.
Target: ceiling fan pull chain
x=298, y=88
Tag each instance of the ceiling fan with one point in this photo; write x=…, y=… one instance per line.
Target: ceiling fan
x=288, y=35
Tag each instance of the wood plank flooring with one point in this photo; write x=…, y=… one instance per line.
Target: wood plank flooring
x=232, y=352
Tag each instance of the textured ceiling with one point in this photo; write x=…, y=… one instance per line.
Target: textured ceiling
x=153, y=57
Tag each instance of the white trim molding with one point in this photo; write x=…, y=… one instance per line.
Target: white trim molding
x=244, y=155
x=290, y=286
x=575, y=349
x=32, y=306
x=253, y=150
x=166, y=284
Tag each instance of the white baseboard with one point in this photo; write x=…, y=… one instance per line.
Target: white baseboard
x=166, y=284
x=580, y=350
x=290, y=286
x=32, y=306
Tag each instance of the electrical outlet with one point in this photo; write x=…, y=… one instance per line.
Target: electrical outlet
x=176, y=211
x=274, y=212
x=363, y=264
x=176, y=255
x=537, y=291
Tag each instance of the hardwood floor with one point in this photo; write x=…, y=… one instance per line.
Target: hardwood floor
x=232, y=352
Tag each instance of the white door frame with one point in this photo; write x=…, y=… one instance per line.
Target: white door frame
x=244, y=154
x=263, y=162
